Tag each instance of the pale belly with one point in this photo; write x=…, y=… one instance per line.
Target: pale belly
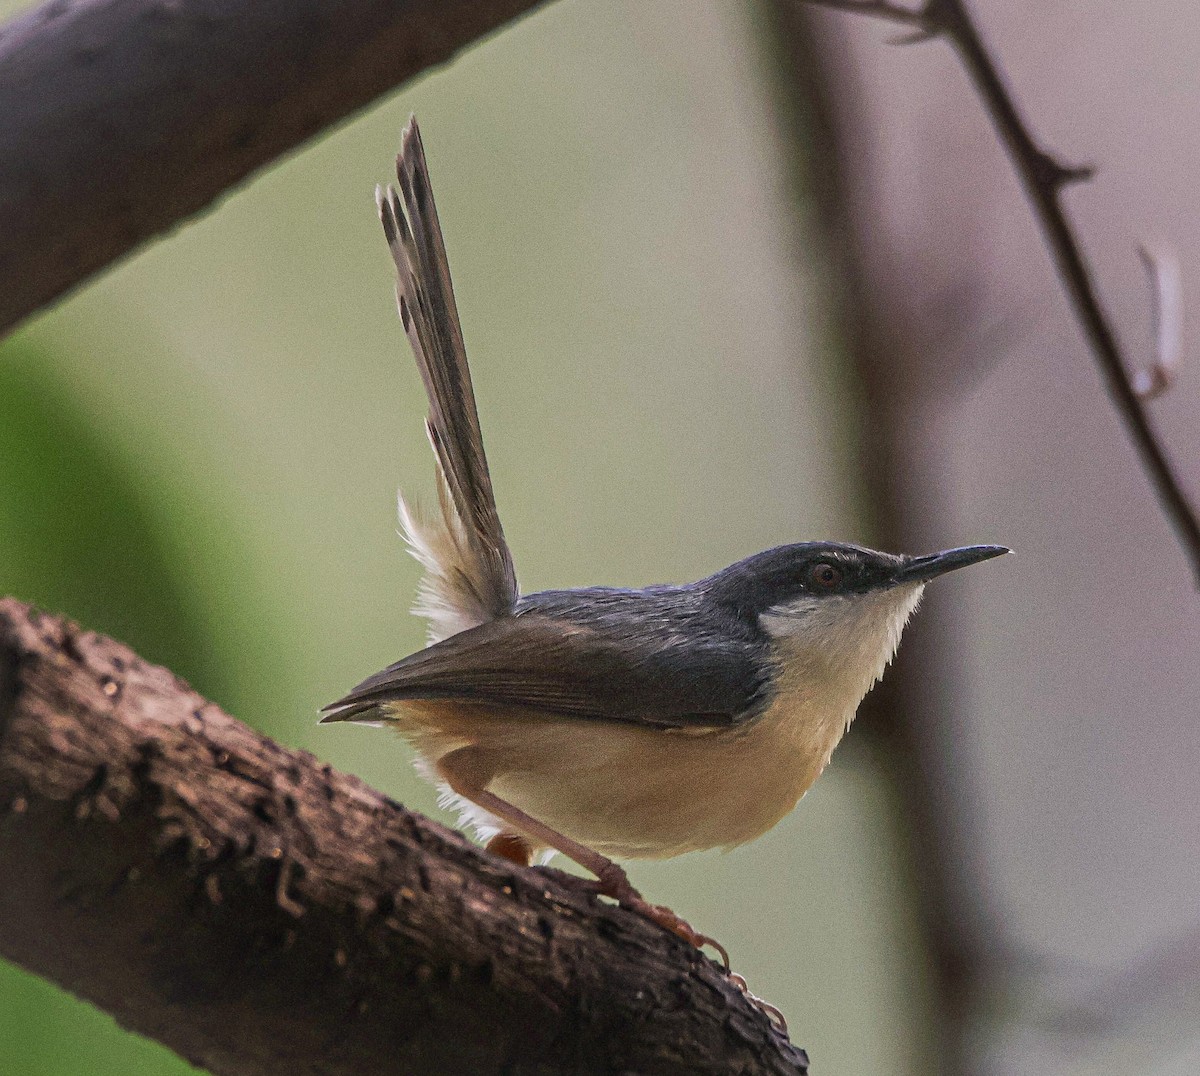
x=632, y=792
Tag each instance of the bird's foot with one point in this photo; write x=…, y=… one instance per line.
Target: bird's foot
x=772, y=1013
x=614, y=882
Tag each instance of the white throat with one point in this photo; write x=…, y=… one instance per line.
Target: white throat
x=842, y=643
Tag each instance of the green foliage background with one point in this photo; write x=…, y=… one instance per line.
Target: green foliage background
x=199, y=452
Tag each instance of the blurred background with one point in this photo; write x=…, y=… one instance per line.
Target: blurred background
x=731, y=275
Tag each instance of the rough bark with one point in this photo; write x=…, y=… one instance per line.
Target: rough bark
x=123, y=117
x=258, y=912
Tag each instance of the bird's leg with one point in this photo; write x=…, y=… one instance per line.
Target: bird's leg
x=456, y=770
x=612, y=881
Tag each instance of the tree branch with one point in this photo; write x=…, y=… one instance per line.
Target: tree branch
x=1044, y=178
x=123, y=117
x=260, y=913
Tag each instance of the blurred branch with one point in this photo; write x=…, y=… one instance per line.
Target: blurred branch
x=260, y=913
x=910, y=724
x=1044, y=178
x=1085, y=1002
x=124, y=117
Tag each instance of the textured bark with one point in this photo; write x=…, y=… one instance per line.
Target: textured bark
x=258, y=912
x=123, y=117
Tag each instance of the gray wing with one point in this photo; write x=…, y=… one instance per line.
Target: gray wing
x=481, y=570
x=537, y=663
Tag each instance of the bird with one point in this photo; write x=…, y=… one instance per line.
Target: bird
x=604, y=723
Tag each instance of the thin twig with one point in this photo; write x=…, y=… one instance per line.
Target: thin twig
x=1044, y=178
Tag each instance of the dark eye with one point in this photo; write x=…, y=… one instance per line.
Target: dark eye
x=825, y=576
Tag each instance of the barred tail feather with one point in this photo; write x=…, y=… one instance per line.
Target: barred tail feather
x=469, y=577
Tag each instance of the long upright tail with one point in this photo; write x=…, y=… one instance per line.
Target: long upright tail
x=469, y=576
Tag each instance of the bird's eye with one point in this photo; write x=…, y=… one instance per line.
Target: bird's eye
x=825, y=576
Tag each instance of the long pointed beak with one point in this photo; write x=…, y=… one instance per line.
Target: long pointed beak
x=922, y=569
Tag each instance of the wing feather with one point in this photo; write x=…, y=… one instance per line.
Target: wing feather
x=538, y=663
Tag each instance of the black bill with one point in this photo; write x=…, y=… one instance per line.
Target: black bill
x=922, y=569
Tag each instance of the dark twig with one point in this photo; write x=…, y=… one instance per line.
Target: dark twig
x=1044, y=178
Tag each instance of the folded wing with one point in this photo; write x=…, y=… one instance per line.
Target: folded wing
x=535, y=664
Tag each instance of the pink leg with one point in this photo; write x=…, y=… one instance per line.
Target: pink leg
x=455, y=769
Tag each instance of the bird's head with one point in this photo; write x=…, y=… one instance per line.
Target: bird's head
x=835, y=607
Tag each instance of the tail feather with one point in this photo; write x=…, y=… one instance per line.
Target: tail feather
x=469, y=576
x=446, y=596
